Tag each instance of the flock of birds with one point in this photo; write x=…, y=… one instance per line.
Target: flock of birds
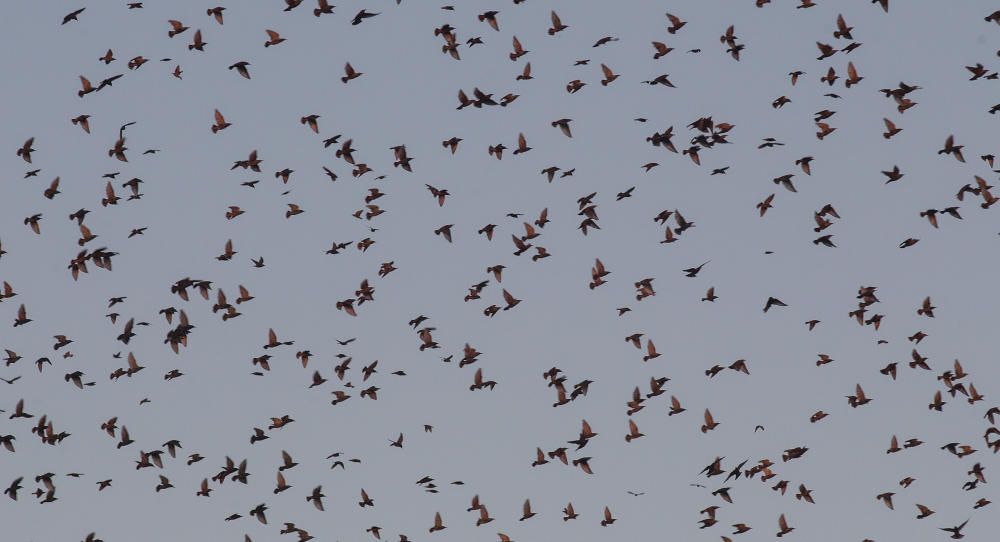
x=463, y=32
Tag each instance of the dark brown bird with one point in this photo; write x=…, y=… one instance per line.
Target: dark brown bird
x=490, y=17
x=241, y=68
x=72, y=16
x=26, y=149
x=951, y=148
x=675, y=24
x=661, y=50
x=774, y=302
x=273, y=38
x=82, y=121
x=609, y=75
x=350, y=73
x=197, y=43
x=557, y=25
x=323, y=8
x=361, y=16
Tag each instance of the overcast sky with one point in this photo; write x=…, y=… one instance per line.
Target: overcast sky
x=487, y=439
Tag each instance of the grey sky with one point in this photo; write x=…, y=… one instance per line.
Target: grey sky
x=487, y=439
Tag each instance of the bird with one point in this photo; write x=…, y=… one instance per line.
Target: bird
x=241, y=68
x=710, y=295
x=438, y=523
x=783, y=526
x=273, y=38
x=956, y=531
x=176, y=27
x=73, y=15
x=557, y=25
x=609, y=75
x=361, y=16
x=890, y=129
x=675, y=23
x=926, y=308
x=773, y=302
x=710, y=422
x=661, y=50
x=26, y=149
x=197, y=44
x=563, y=125
x=444, y=231
x=83, y=121
x=693, y=271
x=951, y=148
x=608, y=519
x=651, y=351
x=323, y=8
x=316, y=497
x=522, y=145
x=350, y=73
